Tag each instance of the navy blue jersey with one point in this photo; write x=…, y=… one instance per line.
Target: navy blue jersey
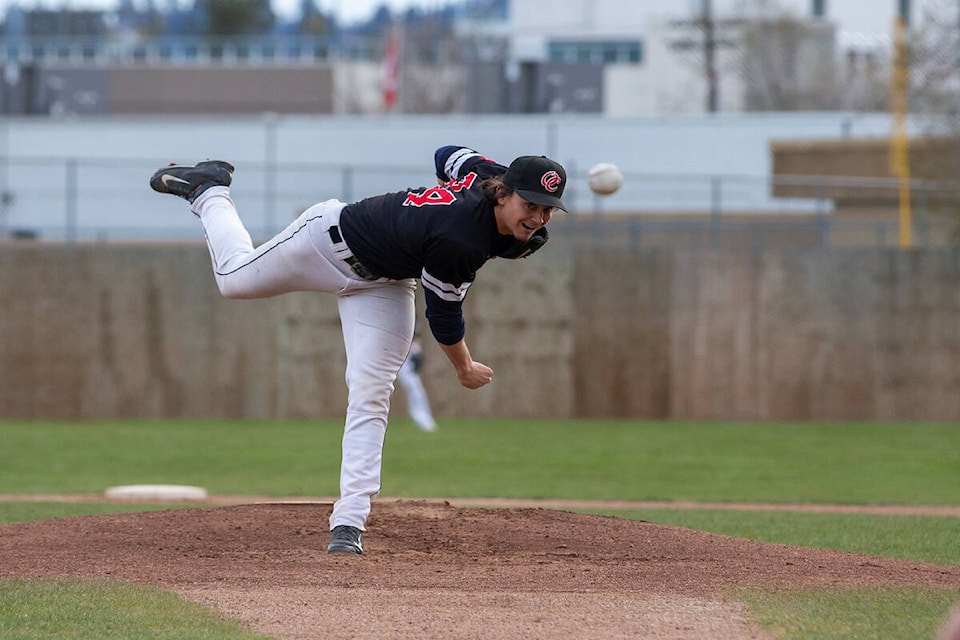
x=441, y=234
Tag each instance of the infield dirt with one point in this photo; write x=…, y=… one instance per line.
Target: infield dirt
x=433, y=570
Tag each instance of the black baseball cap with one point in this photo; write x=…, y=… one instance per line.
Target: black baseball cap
x=537, y=179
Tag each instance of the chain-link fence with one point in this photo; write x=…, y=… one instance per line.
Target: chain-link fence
x=102, y=200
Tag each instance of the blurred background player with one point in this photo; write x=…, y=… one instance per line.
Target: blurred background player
x=418, y=404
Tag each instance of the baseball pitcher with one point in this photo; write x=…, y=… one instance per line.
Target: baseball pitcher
x=370, y=254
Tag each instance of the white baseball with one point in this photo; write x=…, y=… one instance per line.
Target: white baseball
x=604, y=178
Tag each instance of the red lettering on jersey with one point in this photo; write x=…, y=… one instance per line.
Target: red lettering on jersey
x=443, y=194
x=433, y=195
x=463, y=183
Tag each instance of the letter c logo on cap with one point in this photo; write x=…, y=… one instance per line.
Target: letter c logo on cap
x=551, y=181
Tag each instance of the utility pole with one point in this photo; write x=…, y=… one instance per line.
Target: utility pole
x=707, y=39
x=710, y=55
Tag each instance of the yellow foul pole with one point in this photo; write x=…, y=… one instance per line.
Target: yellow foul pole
x=899, y=143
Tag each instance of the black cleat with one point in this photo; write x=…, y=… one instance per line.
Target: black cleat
x=188, y=182
x=345, y=539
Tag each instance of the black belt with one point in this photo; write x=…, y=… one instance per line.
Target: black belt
x=356, y=266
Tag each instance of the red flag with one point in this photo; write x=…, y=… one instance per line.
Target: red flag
x=390, y=70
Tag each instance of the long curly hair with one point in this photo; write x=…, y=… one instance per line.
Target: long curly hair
x=493, y=189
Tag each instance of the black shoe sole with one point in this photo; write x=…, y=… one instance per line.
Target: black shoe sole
x=344, y=549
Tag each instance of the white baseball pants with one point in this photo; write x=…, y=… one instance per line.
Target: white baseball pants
x=377, y=319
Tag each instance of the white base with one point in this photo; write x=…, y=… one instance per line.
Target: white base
x=156, y=492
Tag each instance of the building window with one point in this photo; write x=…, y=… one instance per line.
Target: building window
x=596, y=52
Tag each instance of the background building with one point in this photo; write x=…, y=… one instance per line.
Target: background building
x=612, y=57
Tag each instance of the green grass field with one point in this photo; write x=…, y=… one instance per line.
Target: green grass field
x=906, y=464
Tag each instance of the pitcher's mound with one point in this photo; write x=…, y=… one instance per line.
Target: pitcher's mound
x=474, y=571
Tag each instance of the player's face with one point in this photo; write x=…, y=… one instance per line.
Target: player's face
x=519, y=218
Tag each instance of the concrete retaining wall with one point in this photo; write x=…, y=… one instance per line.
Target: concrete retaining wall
x=111, y=331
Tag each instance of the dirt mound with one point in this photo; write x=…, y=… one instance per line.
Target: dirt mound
x=431, y=568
